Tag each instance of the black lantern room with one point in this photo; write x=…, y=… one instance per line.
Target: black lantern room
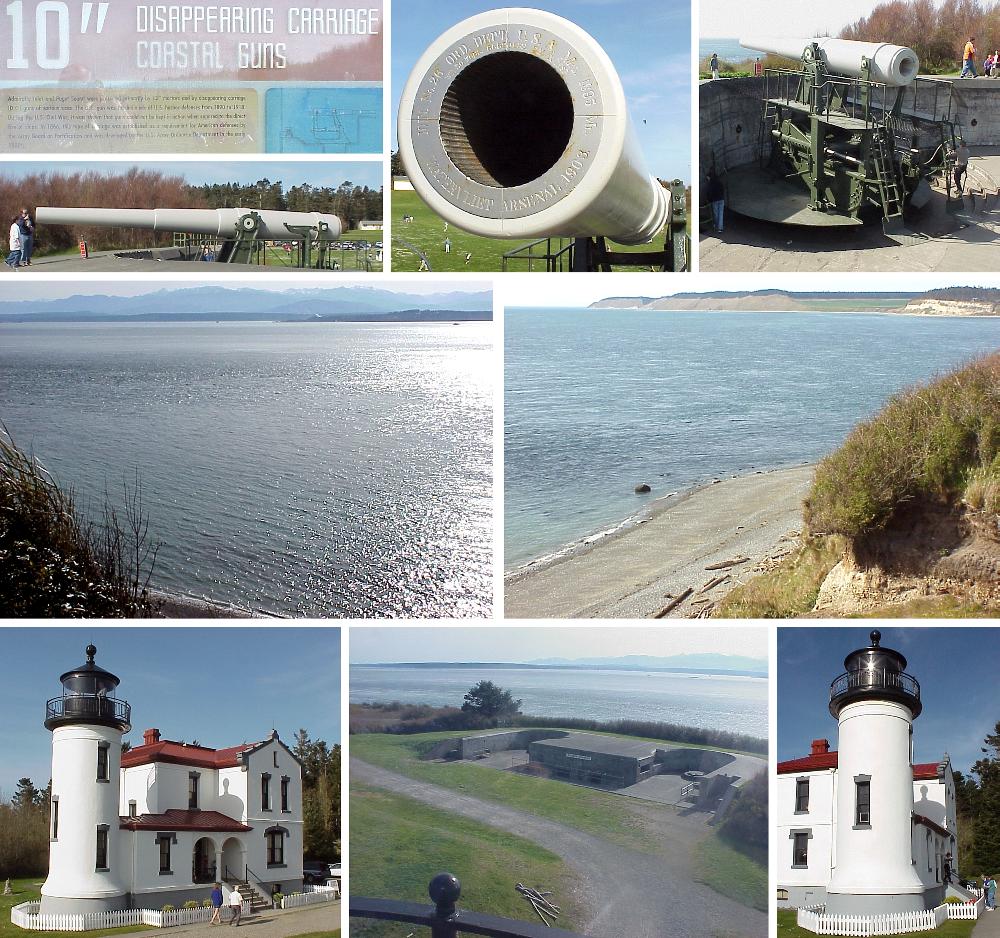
x=88, y=698
x=875, y=673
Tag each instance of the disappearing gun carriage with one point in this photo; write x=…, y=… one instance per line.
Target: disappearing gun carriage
x=853, y=132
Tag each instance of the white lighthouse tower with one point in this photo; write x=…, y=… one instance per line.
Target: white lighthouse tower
x=875, y=703
x=87, y=724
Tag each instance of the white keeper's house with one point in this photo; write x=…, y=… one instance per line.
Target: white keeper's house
x=864, y=830
x=161, y=823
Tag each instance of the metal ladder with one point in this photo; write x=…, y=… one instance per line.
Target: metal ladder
x=885, y=166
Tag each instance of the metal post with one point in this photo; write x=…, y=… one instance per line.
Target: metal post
x=445, y=890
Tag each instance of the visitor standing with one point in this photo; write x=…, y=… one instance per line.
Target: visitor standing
x=216, y=906
x=714, y=65
x=27, y=237
x=14, y=258
x=961, y=166
x=991, y=893
x=236, y=904
x=715, y=195
x=969, y=59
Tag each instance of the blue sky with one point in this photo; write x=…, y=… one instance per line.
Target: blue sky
x=221, y=686
x=198, y=172
x=956, y=668
x=519, y=644
x=648, y=40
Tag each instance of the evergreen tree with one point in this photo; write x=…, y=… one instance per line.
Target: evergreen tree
x=489, y=700
x=26, y=796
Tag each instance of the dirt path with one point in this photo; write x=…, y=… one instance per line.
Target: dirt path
x=633, y=574
x=626, y=894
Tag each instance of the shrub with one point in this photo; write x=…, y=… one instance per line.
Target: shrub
x=206, y=903
x=168, y=908
x=276, y=898
x=982, y=491
x=925, y=445
x=55, y=562
x=191, y=904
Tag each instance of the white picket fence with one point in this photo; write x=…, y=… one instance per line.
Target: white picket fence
x=312, y=896
x=816, y=920
x=27, y=915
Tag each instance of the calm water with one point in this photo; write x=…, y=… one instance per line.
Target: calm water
x=598, y=401
x=320, y=469
x=709, y=701
x=729, y=50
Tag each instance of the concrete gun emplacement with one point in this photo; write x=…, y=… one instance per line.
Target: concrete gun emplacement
x=513, y=124
x=236, y=228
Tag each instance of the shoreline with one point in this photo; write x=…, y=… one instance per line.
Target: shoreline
x=180, y=606
x=638, y=570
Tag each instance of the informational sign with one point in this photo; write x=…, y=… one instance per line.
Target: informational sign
x=125, y=76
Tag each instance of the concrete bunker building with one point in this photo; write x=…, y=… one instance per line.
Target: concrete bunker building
x=706, y=779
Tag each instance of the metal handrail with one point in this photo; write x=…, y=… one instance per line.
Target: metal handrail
x=883, y=679
x=88, y=705
x=446, y=920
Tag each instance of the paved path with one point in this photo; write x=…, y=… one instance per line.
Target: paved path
x=312, y=918
x=987, y=925
x=626, y=894
x=634, y=573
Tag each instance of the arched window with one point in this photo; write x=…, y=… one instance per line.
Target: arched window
x=274, y=839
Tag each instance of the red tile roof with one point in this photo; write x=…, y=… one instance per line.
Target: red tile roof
x=922, y=771
x=176, y=820
x=167, y=750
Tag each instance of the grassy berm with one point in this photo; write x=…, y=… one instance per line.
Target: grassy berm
x=914, y=492
x=55, y=562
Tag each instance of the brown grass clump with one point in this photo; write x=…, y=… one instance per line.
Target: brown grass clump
x=55, y=562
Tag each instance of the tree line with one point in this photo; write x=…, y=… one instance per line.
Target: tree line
x=937, y=33
x=24, y=818
x=977, y=800
x=140, y=188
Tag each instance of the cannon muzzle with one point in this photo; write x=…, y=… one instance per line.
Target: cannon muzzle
x=513, y=124
x=222, y=222
x=888, y=64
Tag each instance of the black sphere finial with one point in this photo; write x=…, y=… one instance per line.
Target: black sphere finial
x=876, y=637
x=445, y=890
x=91, y=651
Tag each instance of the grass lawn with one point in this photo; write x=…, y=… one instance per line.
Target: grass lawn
x=732, y=873
x=952, y=928
x=427, y=233
x=320, y=934
x=595, y=812
x=399, y=845
x=27, y=890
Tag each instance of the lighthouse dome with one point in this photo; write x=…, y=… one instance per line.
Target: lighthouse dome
x=88, y=697
x=875, y=673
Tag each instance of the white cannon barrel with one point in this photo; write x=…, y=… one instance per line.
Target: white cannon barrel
x=890, y=65
x=513, y=124
x=219, y=222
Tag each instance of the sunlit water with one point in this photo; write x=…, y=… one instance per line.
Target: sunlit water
x=325, y=469
x=737, y=704
x=599, y=401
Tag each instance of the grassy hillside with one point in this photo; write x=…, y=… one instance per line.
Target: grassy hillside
x=937, y=442
x=427, y=233
x=398, y=845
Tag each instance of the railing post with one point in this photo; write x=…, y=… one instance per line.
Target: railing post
x=445, y=890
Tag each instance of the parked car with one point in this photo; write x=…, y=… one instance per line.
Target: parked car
x=315, y=872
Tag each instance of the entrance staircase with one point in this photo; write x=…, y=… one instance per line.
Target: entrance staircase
x=251, y=895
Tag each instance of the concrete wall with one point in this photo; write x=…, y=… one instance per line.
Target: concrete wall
x=686, y=760
x=585, y=765
x=472, y=746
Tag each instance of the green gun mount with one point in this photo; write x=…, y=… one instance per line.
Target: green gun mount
x=836, y=149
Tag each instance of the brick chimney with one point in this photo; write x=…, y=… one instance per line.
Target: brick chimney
x=820, y=747
x=153, y=736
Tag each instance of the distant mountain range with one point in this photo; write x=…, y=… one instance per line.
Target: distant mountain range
x=364, y=304
x=951, y=301
x=734, y=665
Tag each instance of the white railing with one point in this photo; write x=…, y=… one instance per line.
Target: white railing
x=311, y=896
x=864, y=926
x=966, y=909
x=27, y=915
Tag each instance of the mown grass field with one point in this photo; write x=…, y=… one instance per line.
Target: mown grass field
x=427, y=233
x=731, y=873
x=398, y=845
x=952, y=928
x=28, y=890
x=585, y=809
